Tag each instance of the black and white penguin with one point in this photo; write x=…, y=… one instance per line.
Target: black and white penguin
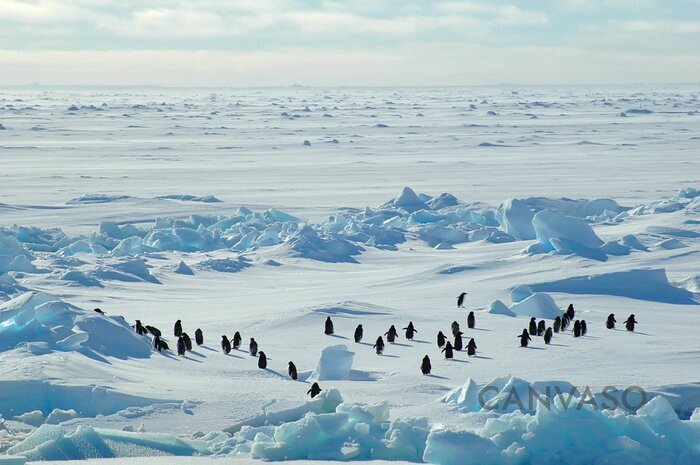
x=328, y=329
x=97, y=310
x=584, y=328
x=471, y=320
x=410, y=331
x=181, y=348
x=262, y=360
x=225, y=345
x=140, y=330
x=448, y=350
x=541, y=328
x=533, y=326
x=236, y=340
x=460, y=299
x=392, y=334
x=292, y=370
x=153, y=330
x=570, y=312
x=577, y=328
x=156, y=343
x=458, y=342
x=314, y=391
x=188, y=342
x=557, y=324
x=425, y=366
x=379, y=346
x=564, y=323
x=610, y=323
x=455, y=328
x=548, y=336
x=199, y=337
x=253, y=347
x=630, y=322
x=177, y=330
x=471, y=347
x=440, y=339
x=358, y=333
x=524, y=338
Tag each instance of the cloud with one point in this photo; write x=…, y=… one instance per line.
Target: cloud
x=673, y=27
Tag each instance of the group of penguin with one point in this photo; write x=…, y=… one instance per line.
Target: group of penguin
x=561, y=323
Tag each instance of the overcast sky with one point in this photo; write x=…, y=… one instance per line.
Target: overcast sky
x=359, y=42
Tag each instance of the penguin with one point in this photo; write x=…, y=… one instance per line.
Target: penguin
x=548, y=336
x=533, y=326
x=458, y=342
x=236, y=340
x=97, y=310
x=292, y=370
x=225, y=345
x=163, y=345
x=379, y=346
x=329, y=327
x=541, y=328
x=471, y=320
x=448, y=350
x=358, y=333
x=471, y=347
x=455, y=328
x=630, y=322
x=253, y=347
x=570, y=311
x=156, y=343
x=153, y=330
x=181, y=349
x=557, y=324
x=410, y=331
x=315, y=390
x=460, y=300
x=262, y=360
x=610, y=324
x=199, y=337
x=188, y=342
x=584, y=328
x=524, y=338
x=577, y=328
x=140, y=330
x=178, y=328
x=392, y=334
x=440, y=339
x=425, y=366
x=564, y=323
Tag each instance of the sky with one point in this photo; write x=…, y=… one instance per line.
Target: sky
x=353, y=43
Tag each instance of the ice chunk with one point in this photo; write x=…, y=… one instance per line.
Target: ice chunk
x=335, y=363
x=182, y=268
x=499, y=308
x=538, y=305
x=515, y=217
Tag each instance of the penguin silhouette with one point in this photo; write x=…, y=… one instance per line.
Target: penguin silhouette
x=156, y=343
x=524, y=338
x=262, y=360
x=471, y=347
x=584, y=328
x=541, y=328
x=358, y=333
x=178, y=328
x=410, y=331
x=236, y=340
x=455, y=328
x=610, y=323
x=253, y=347
x=138, y=327
x=471, y=320
x=379, y=346
x=153, y=330
x=181, y=346
x=188, y=342
x=328, y=330
x=458, y=342
x=97, y=310
x=630, y=322
x=225, y=345
x=460, y=299
x=548, y=336
x=557, y=324
x=564, y=323
x=440, y=339
x=425, y=366
x=577, y=328
x=448, y=350
x=314, y=391
x=292, y=370
x=391, y=335
x=570, y=312
x=533, y=326
x=199, y=337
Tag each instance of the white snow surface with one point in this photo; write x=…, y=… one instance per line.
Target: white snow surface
x=207, y=205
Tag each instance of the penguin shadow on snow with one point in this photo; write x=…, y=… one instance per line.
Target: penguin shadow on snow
x=185, y=357
x=420, y=341
x=479, y=329
x=208, y=348
x=458, y=360
x=399, y=344
x=633, y=332
x=533, y=348
x=436, y=376
x=232, y=355
x=338, y=336
x=389, y=356
x=197, y=354
x=483, y=357
x=558, y=345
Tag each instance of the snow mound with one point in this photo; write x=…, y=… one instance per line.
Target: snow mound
x=182, y=268
x=190, y=198
x=515, y=217
x=335, y=363
x=36, y=317
x=224, y=265
x=307, y=243
x=13, y=256
x=9, y=287
x=538, y=305
x=499, y=308
x=351, y=308
x=566, y=235
x=643, y=284
x=408, y=200
x=97, y=198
